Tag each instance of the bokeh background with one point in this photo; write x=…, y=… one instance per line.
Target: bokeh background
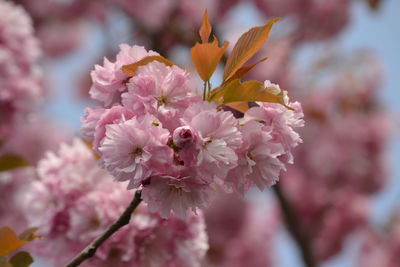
x=343, y=65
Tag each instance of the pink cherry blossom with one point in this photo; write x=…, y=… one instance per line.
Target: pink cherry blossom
x=183, y=137
x=73, y=201
x=113, y=115
x=90, y=120
x=258, y=159
x=217, y=137
x=166, y=193
x=135, y=149
x=21, y=78
x=159, y=90
x=108, y=80
x=279, y=121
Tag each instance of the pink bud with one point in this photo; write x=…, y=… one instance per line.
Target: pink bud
x=183, y=136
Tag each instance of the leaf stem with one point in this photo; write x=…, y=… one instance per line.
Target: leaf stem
x=124, y=219
x=205, y=91
x=209, y=89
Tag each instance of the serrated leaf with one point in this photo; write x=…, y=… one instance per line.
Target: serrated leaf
x=205, y=29
x=206, y=57
x=29, y=235
x=247, y=45
x=11, y=161
x=9, y=241
x=131, y=68
x=252, y=91
x=21, y=259
x=244, y=70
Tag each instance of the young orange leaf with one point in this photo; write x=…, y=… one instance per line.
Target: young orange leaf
x=206, y=57
x=252, y=91
x=243, y=71
x=247, y=45
x=131, y=68
x=9, y=241
x=240, y=106
x=217, y=95
x=10, y=161
x=205, y=29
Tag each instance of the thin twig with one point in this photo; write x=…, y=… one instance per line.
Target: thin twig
x=292, y=224
x=124, y=219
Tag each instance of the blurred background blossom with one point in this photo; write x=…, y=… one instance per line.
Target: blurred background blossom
x=338, y=58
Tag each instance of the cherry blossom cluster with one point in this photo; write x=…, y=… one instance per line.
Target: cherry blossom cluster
x=73, y=201
x=156, y=132
x=20, y=83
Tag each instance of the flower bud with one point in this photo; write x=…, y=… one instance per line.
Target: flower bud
x=183, y=136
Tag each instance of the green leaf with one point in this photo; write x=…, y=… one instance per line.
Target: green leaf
x=131, y=68
x=11, y=161
x=252, y=91
x=247, y=45
x=21, y=259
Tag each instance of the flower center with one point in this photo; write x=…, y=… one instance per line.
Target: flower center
x=162, y=100
x=138, y=151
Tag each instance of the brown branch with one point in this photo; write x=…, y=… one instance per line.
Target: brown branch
x=124, y=219
x=292, y=224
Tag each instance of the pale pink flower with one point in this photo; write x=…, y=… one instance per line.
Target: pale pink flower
x=159, y=90
x=258, y=159
x=73, y=201
x=90, y=120
x=21, y=84
x=113, y=115
x=166, y=193
x=106, y=83
x=135, y=149
x=109, y=80
x=280, y=121
x=217, y=137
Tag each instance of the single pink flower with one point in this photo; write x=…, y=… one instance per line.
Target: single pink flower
x=160, y=90
x=179, y=194
x=109, y=80
x=258, y=159
x=135, y=149
x=217, y=137
x=113, y=115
